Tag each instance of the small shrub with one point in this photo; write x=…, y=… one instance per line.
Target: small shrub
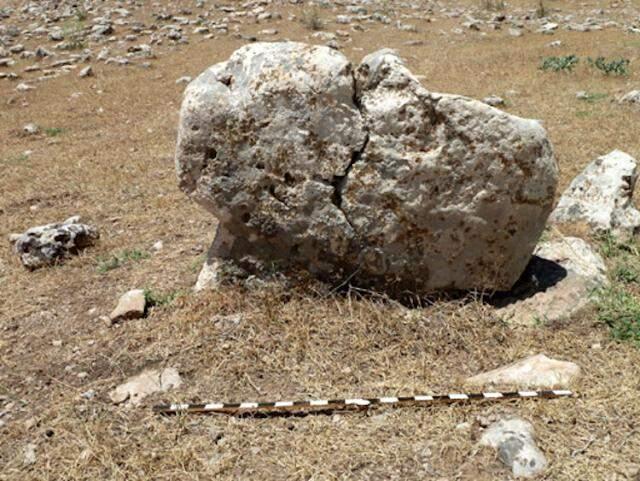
x=493, y=5
x=541, y=10
x=618, y=67
x=620, y=310
x=81, y=14
x=157, y=299
x=560, y=64
x=74, y=37
x=311, y=19
x=53, y=131
x=120, y=259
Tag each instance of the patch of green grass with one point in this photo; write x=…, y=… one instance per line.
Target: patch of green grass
x=611, y=247
x=560, y=64
x=620, y=310
x=618, y=66
x=117, y=260
x=15, y=159
x=581, y=114
x=196, y=265
x=54, y=131
x=627, y=273
x=618, y=305
x=161, y=299
x=593, y=97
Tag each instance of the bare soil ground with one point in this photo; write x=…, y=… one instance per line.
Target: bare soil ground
x=113, y=164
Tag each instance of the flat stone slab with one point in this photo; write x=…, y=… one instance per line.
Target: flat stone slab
x=560, y=281
x=538, y=372
x=148, y=382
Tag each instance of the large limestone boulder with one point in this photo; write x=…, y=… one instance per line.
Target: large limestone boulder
x=601, y=196
x=360, y=174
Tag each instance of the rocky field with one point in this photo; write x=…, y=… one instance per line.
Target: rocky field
x=99, y=320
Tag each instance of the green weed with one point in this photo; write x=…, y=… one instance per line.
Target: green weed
x=618, y=67
x=15, y=159
x=560, y=64
x=620, y=310
x=158, y=299
x=593, y=98
x=611, y=247
x=53, y=131
x=120, y=259
x=626, y=273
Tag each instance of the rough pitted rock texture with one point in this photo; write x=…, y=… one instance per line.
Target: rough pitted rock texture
x=47, y=244
x=361, y=173
x=601, y=196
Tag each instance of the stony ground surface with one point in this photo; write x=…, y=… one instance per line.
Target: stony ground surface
x=103, y=149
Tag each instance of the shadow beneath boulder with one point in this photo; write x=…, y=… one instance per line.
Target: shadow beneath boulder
x=539, y=275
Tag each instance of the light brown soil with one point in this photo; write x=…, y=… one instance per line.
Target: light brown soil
x=113, y=164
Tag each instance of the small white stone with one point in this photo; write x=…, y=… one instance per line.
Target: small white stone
x=86, y=72
x=148, y=382
x=29, y=455
x=130, y=306
x=31, y=129
x=90, y=394
x=515, y=442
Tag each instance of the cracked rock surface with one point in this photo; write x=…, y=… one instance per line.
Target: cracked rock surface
x=361, y=173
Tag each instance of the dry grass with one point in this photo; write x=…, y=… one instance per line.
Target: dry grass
x=115, y=168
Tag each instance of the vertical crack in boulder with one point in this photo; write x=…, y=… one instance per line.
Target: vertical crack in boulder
x=339, y=182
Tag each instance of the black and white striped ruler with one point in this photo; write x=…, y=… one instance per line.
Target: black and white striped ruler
x=248, y=408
